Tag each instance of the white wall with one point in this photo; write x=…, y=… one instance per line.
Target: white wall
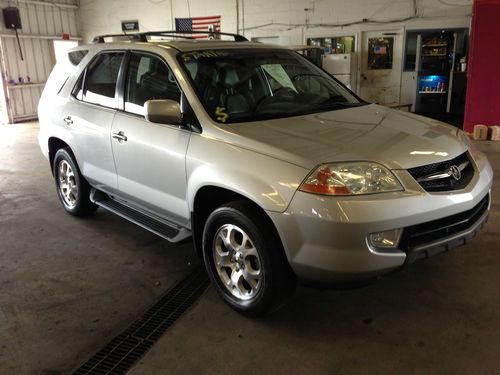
x=286, y=19
x=285, y=22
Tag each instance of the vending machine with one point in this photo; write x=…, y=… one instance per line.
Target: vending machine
x=434, y=68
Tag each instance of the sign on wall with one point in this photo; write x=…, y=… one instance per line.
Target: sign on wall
x=132, y=25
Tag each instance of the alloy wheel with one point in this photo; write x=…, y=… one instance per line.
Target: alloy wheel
x=237, y=262
x=67, y=184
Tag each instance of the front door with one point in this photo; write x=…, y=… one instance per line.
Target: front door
x=150, y=158
x=381, y=62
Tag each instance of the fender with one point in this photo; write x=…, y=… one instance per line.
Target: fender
x=270, y=183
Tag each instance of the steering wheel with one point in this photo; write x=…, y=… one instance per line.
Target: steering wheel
x=282, y=92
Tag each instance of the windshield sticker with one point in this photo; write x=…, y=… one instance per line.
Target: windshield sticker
x=204, y=54
x=222, y=116
x=279, y=74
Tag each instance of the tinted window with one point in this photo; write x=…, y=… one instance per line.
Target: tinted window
x=78, y=89
x=77, y=56
x=148, y=78
x=100, y=79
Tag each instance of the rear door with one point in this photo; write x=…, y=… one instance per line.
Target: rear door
x=382, y=53
x=89, y=115
x=150, y=158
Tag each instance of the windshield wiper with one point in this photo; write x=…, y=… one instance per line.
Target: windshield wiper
x=334, y=103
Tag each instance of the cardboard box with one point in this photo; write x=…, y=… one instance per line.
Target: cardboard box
x=480, y=132
x=495, y=133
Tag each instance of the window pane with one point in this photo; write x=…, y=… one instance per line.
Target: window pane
x=100, y=81
x=78, y=89
x=339, y=44
x=380, y=53
x=148, y=78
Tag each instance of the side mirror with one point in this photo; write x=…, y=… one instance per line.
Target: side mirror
x=163, y=111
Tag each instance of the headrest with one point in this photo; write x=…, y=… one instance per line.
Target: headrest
x=231, y=78
x=155, y=82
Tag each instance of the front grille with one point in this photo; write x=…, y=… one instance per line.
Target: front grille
x=444, y=184
x=426, y=233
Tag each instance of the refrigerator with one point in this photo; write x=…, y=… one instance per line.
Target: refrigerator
x=342, y=66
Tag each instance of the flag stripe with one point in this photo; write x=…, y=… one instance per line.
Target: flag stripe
x=206, y=18
x=204, y=27
x=205, y=22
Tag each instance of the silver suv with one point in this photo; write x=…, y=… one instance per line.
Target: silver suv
x=277, y=171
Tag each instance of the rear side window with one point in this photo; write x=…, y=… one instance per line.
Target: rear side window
x=99, y=86
x=148, y=78
x=77, y=56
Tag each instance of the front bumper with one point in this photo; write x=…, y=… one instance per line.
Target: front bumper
x=325, y=238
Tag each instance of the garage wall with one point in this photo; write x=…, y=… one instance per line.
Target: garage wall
x=285, y=22
x=285, y=19
x=42, y=22
x=483, y=96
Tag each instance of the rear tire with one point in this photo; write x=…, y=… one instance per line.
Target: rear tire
x=245, y=259
x=72, y=188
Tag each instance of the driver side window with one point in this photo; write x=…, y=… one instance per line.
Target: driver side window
x=148, y=78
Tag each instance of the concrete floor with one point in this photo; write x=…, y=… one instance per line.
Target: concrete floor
x=67, y=286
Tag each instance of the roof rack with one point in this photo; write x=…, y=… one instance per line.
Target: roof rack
x=143, y=37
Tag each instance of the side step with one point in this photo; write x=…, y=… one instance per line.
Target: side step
x=156, y=225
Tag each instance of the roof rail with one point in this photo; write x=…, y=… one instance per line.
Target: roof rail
x=130, y=37
x=143, y=37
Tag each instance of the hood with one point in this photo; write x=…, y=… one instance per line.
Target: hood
x=396, y=139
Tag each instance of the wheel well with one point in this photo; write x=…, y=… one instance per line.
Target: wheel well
x=207, y=199
x=55, y=144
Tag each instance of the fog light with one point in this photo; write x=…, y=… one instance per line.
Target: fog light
x=388, y=239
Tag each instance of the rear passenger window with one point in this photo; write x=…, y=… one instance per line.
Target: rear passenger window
x=148, y=78
x=100, y=79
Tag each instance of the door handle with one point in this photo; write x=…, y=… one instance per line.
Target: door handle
x=68, y=120
x=120, y=136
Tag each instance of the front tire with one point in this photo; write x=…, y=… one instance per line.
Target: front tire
x=72, y=188
x=245, y=259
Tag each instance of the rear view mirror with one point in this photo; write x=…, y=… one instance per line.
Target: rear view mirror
x=163, y=111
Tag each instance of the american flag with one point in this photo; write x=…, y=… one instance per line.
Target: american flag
x=197, y=24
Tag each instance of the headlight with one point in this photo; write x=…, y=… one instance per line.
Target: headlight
x=351, y=178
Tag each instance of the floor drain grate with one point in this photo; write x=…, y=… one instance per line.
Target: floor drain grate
x=123, y=351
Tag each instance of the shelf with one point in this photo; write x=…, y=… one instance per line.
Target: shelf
x=432, y=92
x=434, y=45
x=435, y=55
x=25, y=85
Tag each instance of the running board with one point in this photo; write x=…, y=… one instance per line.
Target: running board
x=156, y=225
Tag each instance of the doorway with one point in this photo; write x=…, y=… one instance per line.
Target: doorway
x=381, y=63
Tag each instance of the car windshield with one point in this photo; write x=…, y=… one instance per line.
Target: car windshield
x=241, y=85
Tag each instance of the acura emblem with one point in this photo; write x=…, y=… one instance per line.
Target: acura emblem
x=454, y=172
